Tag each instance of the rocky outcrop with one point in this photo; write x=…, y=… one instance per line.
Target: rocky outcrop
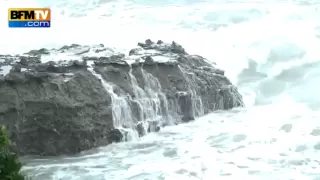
x=66, y=100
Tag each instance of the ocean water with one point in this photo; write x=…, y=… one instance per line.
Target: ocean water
x=269, y=49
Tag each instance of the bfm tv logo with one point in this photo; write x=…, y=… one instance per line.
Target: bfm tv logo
x=29, y=17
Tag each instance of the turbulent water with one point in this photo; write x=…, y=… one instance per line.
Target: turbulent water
x=269, y=49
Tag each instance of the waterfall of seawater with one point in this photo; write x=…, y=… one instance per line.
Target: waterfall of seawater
x=151, y=100
x=152, y=105
x=121, y=112
x=147, y=110
x=198, y=109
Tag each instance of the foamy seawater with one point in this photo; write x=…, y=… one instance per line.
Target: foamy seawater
x=224, y=145
x=268, y=48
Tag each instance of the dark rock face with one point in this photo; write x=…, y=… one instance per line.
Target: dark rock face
x=64, y=106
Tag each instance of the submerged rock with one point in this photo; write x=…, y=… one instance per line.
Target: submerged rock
x=115, y=135
x=64, y=101
x=140, y=128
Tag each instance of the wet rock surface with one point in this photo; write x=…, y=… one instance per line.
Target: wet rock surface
x=64, y=101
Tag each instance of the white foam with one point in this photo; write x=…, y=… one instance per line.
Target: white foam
x=164, y=59
x=5, y=69
x=59, y=57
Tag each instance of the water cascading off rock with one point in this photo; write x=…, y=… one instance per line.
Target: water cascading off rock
x=92, y=95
